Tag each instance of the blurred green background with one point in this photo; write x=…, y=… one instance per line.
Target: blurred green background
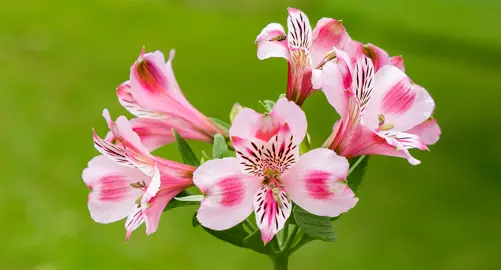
x=60, y=62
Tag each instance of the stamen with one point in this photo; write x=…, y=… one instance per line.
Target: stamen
x=330, y=55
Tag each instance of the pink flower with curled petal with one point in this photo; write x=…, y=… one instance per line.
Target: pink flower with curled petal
x=268, y=174
x=153, y=95
x=306, y=50
x=377, y=110
x=126, y=181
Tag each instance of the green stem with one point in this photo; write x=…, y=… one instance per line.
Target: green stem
x=281, y=262
x=356, y=164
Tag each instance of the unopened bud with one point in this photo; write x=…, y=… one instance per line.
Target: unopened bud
x=237, y=108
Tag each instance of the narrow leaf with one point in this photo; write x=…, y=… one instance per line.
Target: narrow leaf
x=185, y=150
x=191, y=198
x=220, y=148
x=358, y=167
x=316, y=227
x=179, y=203
x=234, y=236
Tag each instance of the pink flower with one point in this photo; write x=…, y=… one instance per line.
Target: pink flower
x=126, y=181
x=153, y=95
x=305, y=49
x=377, y=111
x=268, y=174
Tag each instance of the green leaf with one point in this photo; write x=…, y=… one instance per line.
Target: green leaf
x=358, y=167
x=220, y=123
x=220, y=148
x=185, y=150
x=234, y=236
x=316, y=227
x=255, y=242
x=305, y=145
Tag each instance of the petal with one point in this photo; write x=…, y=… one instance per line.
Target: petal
x=288, y=112
x=328, y=33
x=133, y=221
x=249, y=124
x=363, y=82
x=155, y=133
x=228, y=193
x=378, y=56
x=257, y=157
x=148, y=78
x=162, y=189
x=428, y=131
x=363, y=141
x=115, y=152
x=317, y=183
x=154, y=87
x=337, y=81
x=402, y=103
x=129, y=103
x=112, y=196
x=300, y=34
x=272, y=42
x=398, y=61
x=402, y=142
x=272, y=207
x=354, y=49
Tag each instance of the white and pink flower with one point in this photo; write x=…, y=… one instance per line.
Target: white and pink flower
x=126, y=181
x=153, y=95
x=306, y=50
x=378, y=110
x=268, y=174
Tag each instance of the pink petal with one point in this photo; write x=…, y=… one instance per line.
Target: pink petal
x=228, y=193
x=428, y=131
x=249, y=124
x=162, y=189
x=398, y=61
x=328, y=33
x=112, y=196
x=155, y=133
x=378, y=56
x=402, y=103
x=272, y=42
x=317, y=183
x=288, y=112
x=154, y=87
x=299, y=85
x=272, y=207
x=354, y=49
x=257, y=157
x=134, y=220
x=363, y=141
x=337, y=81
x=300, y=33
x=128, y=102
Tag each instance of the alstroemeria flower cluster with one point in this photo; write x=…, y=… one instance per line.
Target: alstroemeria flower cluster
x=266, y=173
x=382, y=111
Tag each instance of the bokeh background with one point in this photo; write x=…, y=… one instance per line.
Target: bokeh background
x=60, y=62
